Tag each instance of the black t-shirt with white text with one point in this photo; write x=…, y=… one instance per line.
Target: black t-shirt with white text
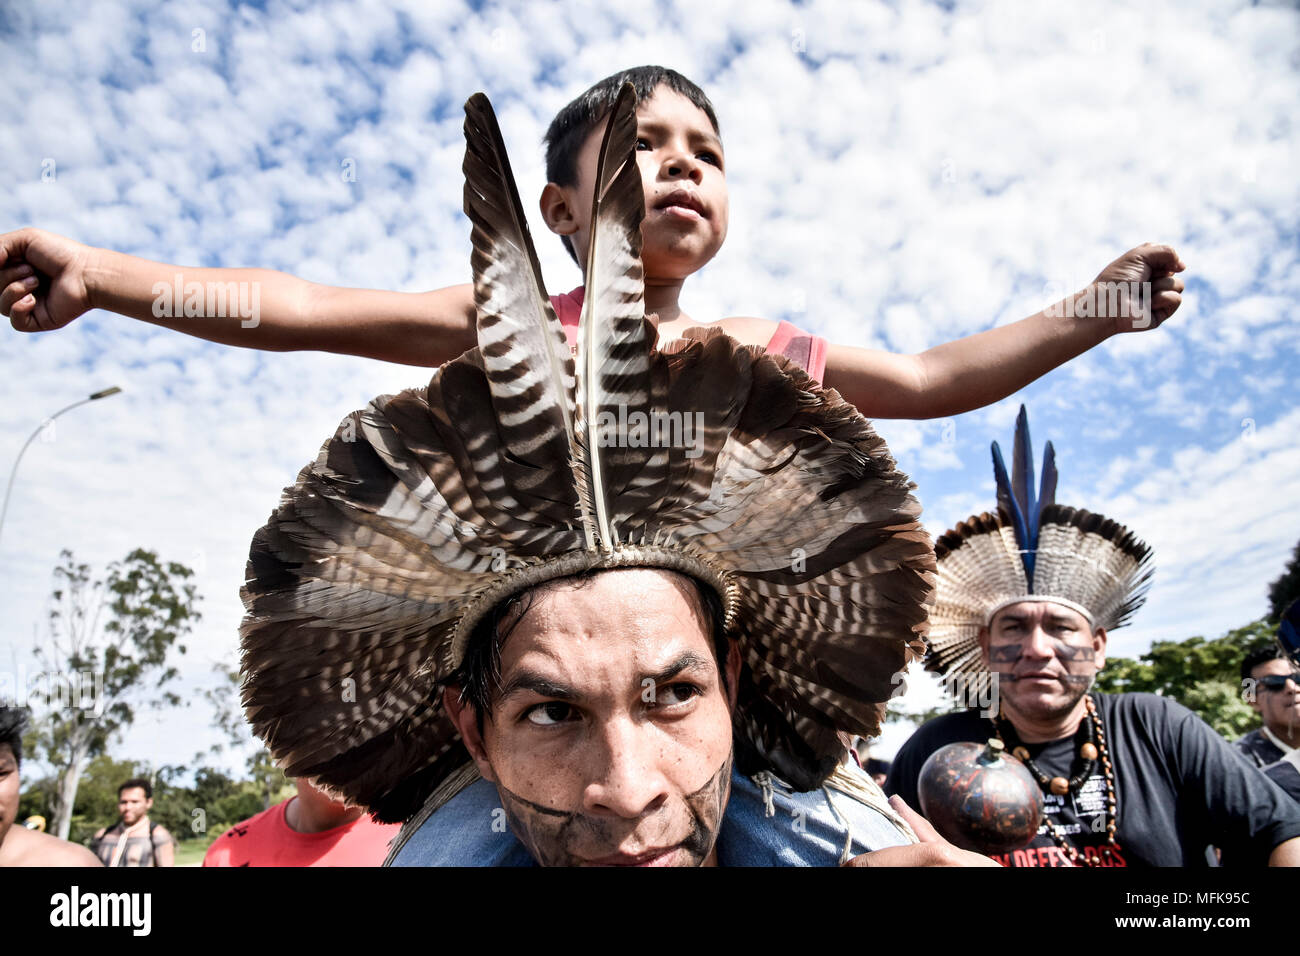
x=1179, y=788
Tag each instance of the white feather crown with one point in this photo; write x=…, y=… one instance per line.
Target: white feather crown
x=1031, y=550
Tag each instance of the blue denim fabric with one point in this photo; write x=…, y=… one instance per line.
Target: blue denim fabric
x=471, y=829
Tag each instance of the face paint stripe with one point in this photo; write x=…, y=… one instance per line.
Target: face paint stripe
x=548, y=833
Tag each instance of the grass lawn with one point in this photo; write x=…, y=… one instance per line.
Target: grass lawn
x=190, y=852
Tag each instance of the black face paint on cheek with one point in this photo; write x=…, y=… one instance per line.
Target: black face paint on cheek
x=539, y=828
x=707, y=805
x=548, y=833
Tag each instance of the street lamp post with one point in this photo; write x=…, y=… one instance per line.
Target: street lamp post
x=13, y=473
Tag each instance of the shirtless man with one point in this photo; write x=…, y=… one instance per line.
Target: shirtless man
x=134, y=840
x=18, y=845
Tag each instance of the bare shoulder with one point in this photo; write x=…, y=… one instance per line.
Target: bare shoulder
x=100, y=832
x=70, y=854
x=30, y=848
x=748, y=329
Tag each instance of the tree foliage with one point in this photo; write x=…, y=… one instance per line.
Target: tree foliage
x=1202, y=675
x=107, y=653
x=1286, y=588
x=228, y=718
x=200, y=811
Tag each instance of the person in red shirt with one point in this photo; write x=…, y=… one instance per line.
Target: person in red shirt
x=307, y=830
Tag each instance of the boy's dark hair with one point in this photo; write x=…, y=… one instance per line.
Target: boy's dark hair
x=573, y=124
x=479, y=674
x=1260, y=654
x=140, y=782
x=13, y=724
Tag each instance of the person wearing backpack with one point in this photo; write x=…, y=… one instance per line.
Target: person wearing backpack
x=134, y=840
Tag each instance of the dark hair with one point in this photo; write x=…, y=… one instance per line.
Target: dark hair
x=140, y=782
x=479, y=674
x=1260, y=654
x=13, y=723
x=573, y=124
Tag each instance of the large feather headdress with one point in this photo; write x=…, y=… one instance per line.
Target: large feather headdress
x=517, y=465
x=1032, y=550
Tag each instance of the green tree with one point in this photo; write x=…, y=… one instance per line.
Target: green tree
x=223, y=800
x=208, y=807
x=1202, y=675
x=106, y=653
x=1286, y=588
x=96, y=804
x=920, y=717
x=268, y=780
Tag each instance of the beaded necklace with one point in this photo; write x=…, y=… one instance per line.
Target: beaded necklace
x=1091, y=738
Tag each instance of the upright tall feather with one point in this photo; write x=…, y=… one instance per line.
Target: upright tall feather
x=1022, y=478
x=1047, y=490
x=525, y=353
x=1010, y=505
x=613, y=335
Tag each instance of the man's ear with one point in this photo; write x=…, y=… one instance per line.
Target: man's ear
x=983, y=638
x=557, y=205
x=465, y=717
x=733, y=671
x=1099, y=646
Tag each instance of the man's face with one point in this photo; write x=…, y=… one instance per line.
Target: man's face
x=610, y=737
x=683, y=180
x=132, y=804
x=8, y=790
x=1045, y=656
x=1280, y=708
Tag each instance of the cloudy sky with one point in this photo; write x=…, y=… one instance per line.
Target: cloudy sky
x=900, y=175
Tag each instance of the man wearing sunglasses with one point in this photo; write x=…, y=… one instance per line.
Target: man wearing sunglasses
x=1271, y=685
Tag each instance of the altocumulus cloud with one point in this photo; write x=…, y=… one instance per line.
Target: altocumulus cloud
x=898, y=178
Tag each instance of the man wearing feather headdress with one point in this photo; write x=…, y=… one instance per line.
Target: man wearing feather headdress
x=1026, y=598
x=646, y=661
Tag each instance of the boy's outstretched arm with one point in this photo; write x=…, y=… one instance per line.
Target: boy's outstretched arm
x=981, y=369
x=47, y=281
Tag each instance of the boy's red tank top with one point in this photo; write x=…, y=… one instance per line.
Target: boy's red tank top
x=805, y=350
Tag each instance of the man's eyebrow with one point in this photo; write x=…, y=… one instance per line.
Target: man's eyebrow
x=1049, y=618
x=688, y=661
x=699, y=135
x=526, y=680
x=537, y=683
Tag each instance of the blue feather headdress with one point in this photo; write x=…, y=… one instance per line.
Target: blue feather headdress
x=1016, y=494
x=1033, y=549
